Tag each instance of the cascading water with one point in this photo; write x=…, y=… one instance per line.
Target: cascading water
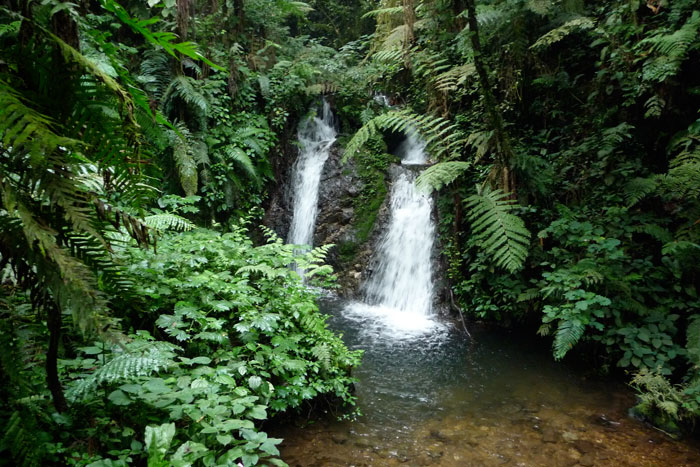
x=399, y=295
x=316, y=136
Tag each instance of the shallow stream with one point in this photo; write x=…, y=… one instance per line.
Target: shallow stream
x=432, y=396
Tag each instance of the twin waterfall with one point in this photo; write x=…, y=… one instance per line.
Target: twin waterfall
x=399, y=294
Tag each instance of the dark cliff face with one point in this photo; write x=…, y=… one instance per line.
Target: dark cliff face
x=338, y=222
x=353, y=214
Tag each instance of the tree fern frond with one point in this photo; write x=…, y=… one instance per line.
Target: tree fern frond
x=440, y=175
x=395, y=10
x=671, y=50
x=453, y=78
x=638, y=188
x=442, y=138
x=141, y=359
x=566, y=29
x=568, y=333
x=502, y=235
x=168, y=221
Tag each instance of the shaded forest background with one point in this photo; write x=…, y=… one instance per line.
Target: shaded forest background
x=146, y=317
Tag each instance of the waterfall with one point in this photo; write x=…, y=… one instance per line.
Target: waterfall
x=316, y=136
x=399, y=295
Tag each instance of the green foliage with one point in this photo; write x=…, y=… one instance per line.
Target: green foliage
x=669, y=50
x=441, y=174
x=556, y=35
x=441, y=137
x=501, y=233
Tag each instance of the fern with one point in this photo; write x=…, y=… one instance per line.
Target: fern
x=168, y=221
x=440, y=175
x=19, y=440
x=568, y=333
x=501, y=234
x=135, y=360
x=442, y=138
x=671, y=50
x=638, y=188
x=693, y=341
x=240, y=157
x=184, y=160
x=566, y=29
x=322, y=352
x=395, y=10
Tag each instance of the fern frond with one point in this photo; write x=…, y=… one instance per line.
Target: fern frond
x=638, y=188
x=168, y=221
x=453, y=78
x=443, y=139
x=244, y=161
x=501, y=234
x=396, y=10
x=671, y=50
x=322, y=352
x=566, y=29
x=440, y=175
x=693, y=340
x=141, y=359
x=568, y=333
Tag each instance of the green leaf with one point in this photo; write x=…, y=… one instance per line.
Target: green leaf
x=258, y=412
x=119, y=398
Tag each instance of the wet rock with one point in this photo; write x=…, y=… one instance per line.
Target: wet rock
x=587, y=460
x=584, y=446
x=549, y=435
x=339, y=438
x=605, y=421
x=439, y=435
x=435, y=451
x=363, y=443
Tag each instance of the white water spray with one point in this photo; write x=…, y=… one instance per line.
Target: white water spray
x=316, y=136
x=399, y=295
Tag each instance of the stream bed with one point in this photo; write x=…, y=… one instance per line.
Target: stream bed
x=429, y=395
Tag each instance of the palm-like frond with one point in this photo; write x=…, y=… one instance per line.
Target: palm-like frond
x=670, y=50
x=568, y=333
x=443, y=139
x=440, y=175
x=501, y=234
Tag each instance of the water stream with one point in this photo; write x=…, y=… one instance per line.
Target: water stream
x=399, y=295
x=431, y=396
x=316, y=135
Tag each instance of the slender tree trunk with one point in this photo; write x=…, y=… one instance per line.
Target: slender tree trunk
x=504, y=151
x=54, y=322
x=409, y=15
x=239, y=10
x=67, y=29
x=182, y=18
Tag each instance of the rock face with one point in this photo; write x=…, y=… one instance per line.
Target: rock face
x=345, y=220
x=336, y=222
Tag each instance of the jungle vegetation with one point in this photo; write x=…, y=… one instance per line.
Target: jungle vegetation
x=147, y=318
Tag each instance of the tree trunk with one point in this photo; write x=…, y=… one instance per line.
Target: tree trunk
x=504, y=151
x=54, y=322
x=409, y=15
x=182, y=18
x=239, y=11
